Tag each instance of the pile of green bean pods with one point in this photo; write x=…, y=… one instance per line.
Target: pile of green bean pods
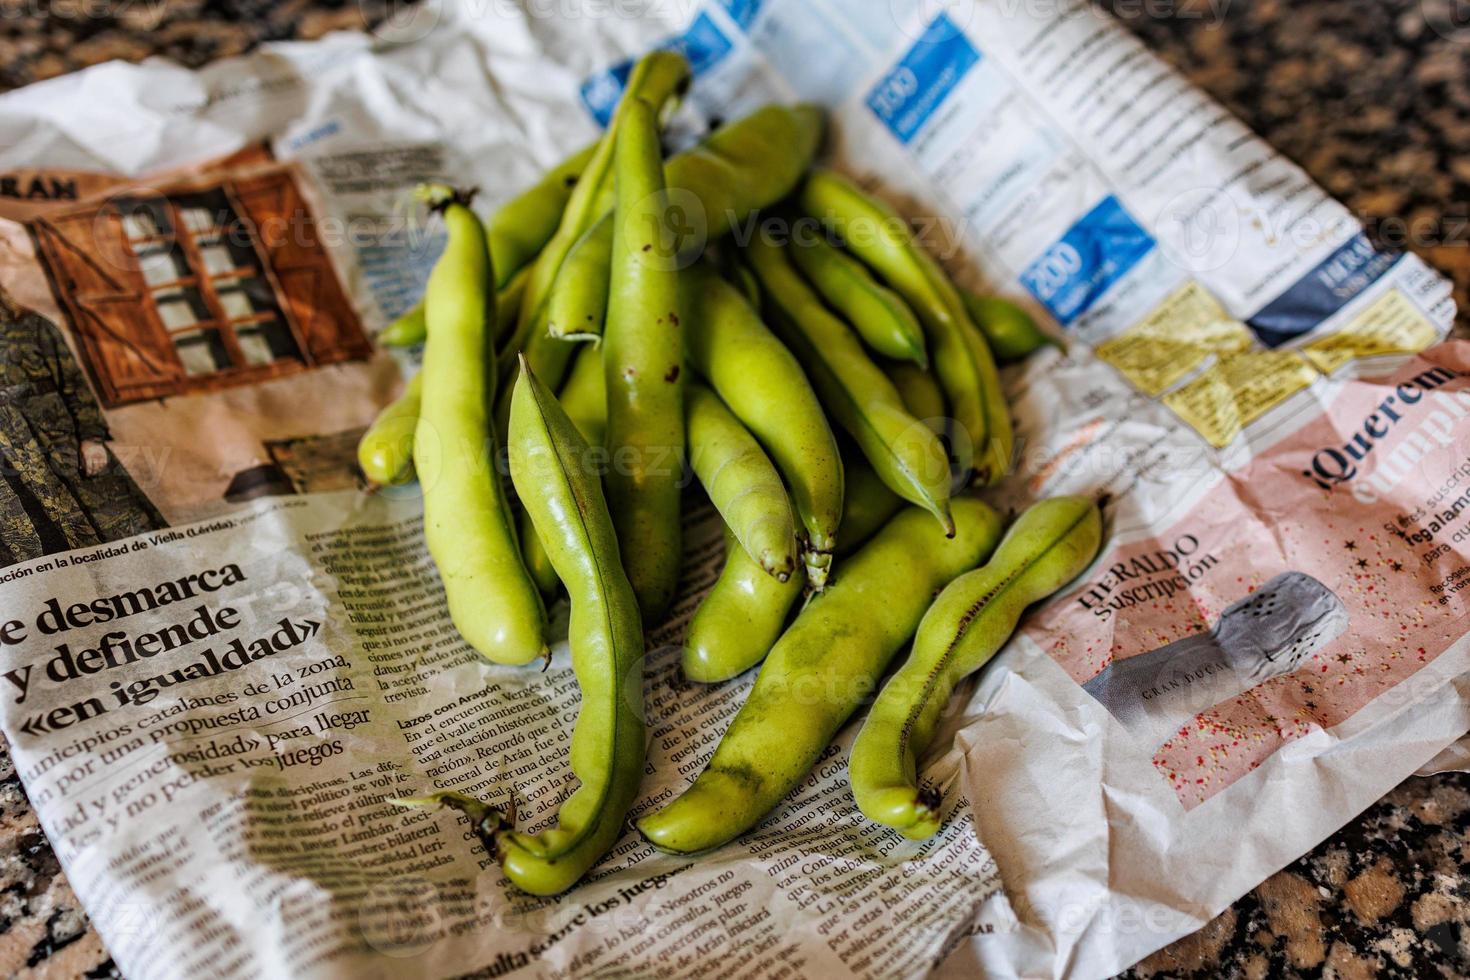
x=635, y=339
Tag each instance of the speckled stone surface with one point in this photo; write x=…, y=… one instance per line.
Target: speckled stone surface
x=1372, y=97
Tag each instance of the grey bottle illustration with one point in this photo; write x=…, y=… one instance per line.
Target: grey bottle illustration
x=1266, y=634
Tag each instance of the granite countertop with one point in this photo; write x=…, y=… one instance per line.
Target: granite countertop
x=1372, y=97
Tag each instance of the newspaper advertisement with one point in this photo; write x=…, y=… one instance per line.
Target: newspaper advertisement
x=223, y=661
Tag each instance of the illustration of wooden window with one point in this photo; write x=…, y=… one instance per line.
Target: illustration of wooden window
x=198, y=286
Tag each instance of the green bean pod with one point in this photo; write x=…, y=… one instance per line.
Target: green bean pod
x=577, y=307
x=740, y=619
x=744, y=613
x=877, y=313
x=533, y=554
x=643, y=360
x=412, y=327
x=408, y=330
x=548, y=463
x=924, y=399
x=660, y=79
x=1009, y=330
x=966, y=369
x=867, y=505
x=742, y=167
x=385, y=451
x=741, y=482
x=820, y=672
x=906, y=454
x=467, y=520
x=584, y=396
x=1048, y=546
x=521, y=227
x=764, y=386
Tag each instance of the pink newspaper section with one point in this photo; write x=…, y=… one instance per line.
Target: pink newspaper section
x=1320, y=577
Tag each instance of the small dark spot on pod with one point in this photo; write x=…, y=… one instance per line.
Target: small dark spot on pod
x=674, y=319
x=648, y=248
x=673, y=374
x=629, y=374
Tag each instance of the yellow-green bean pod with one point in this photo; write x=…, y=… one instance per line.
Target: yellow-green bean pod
x=659, y=79
x=385, y=452
x=762, y=383
x=577, y=307
x=1048, y=546
x=643, y=362
x=584, y=396
x=877, y=313
x=1009, y=330
x=819, y=672
x=746, y=610
x=467, y=520
x=966, y=369
x=740, y=619
x=904, y=451
x=741, y=482
x=520, y=228
x=548, y=463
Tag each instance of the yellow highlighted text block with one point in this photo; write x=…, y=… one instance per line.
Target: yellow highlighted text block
x=1392, y=325
x=1238, y=389
x=1174, y=339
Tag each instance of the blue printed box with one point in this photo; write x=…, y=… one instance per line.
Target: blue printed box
x=1351, y=268
x=1070, y=276
x=907, y=96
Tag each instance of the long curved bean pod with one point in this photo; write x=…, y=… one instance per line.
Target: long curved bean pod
x=385, y=452
x=877, y=313
x=643, y=360
x=1048, y=546
x=742, y=167
x=966, y=369
x=906, y=454
x=467, y=521
x=564, y=497
x=762, y=383
x=819, y=672
x=741, y=481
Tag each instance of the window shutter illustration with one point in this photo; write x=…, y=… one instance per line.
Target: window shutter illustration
x=99, y=283
x=287, y=234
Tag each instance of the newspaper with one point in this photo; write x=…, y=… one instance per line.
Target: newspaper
x=223, y=660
